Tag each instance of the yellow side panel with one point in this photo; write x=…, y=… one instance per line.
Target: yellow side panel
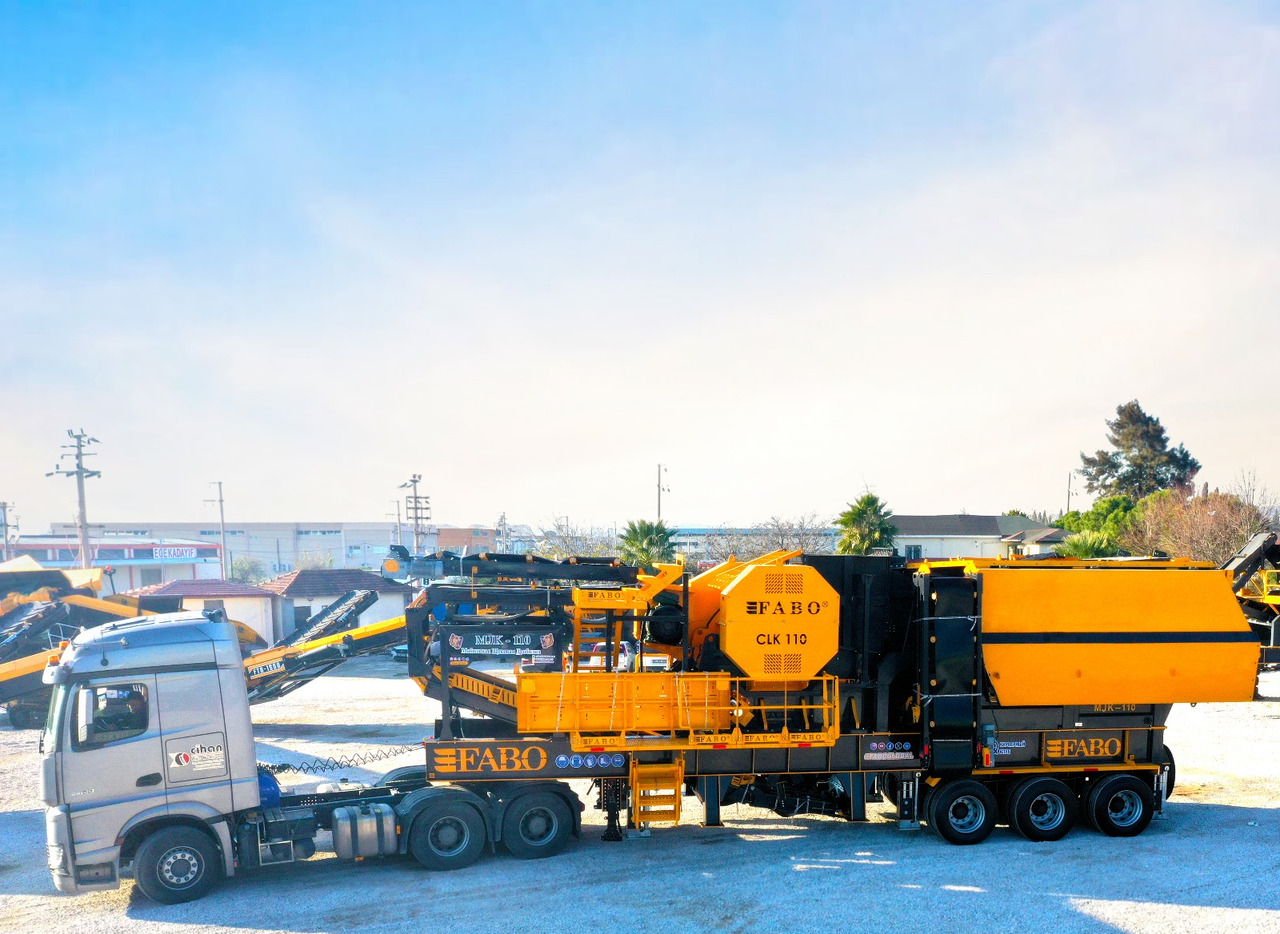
x=600, y=702
x=1115, y=636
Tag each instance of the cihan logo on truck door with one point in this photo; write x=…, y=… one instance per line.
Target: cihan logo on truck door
x=196, y=758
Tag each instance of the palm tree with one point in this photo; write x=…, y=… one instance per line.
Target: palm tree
x=1087, y=544
x=865, y=526
x=644, y=543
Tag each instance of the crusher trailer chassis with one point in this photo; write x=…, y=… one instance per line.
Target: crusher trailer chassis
x=971, y=693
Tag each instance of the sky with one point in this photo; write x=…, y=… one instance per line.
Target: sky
x=530, y=251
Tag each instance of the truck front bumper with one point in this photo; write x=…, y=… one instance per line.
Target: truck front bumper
x=57, y=834
x=69, y=878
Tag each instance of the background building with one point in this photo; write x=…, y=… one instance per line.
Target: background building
x=253, y=606
x=280, y=546
x=136, y=560
x=966, y=536
x=470, y=540
x=306, y=592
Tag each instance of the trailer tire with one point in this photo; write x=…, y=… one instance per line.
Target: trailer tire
x=1042, y=809
x=963, y=811
x=537, y=825
x=447, y=835
x=1120, y=806
x=176, y=864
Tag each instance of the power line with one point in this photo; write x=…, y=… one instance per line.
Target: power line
x=417, y=510
x=81, y=473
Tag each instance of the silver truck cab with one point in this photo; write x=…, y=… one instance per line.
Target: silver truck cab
x=148, y=743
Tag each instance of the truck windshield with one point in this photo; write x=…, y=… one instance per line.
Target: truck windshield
x=49, y=736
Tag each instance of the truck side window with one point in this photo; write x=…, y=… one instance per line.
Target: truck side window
x=120, y=711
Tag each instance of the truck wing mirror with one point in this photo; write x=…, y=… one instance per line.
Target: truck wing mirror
x=84, y=715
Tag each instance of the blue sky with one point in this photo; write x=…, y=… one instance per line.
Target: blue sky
x=530, y=250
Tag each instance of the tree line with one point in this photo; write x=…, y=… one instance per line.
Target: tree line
x=1149, y=504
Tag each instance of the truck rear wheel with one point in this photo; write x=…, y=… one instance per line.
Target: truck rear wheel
x=176, y=864
x=1120, y=806
x=537, y=825
x=1042, y=809
x=962, y=811
x=447, y=835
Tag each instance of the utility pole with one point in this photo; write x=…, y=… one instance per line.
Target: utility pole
x=4, y=531
x=1070, y=477
x=417, y=508
x=504, y=547
x=222, y=524
x=81, y=473
x=661, y=490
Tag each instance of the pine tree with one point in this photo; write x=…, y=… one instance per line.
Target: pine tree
x=1142, y=461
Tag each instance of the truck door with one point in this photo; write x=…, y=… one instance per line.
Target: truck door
x=112, y=763
x=196, y=757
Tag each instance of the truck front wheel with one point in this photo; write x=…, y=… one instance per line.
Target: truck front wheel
x=176, y=864
x=447, y=835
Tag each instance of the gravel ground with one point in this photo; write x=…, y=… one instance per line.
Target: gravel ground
x=1210, y=865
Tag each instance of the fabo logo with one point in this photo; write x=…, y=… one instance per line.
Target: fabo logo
x=1092, y=747
x=783, y=608
x=490, y=759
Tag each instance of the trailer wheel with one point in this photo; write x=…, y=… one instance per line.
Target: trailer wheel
x=1120, y=806
x=1042, y=809
x=176, y=864
x=447, y=835
x=962, y=811
x=537, y=825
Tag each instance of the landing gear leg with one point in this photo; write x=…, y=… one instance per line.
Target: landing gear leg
x=909, y=803
x=612, y=791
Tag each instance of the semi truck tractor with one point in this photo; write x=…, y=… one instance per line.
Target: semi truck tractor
x=968, y=693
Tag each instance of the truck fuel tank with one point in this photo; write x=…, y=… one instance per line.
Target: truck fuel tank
x=361, y=830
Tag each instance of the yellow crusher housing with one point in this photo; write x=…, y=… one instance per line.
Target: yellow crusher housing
x=970, y=692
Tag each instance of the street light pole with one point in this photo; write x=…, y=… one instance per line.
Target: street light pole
x=81, y=473
x=661, y=490
x=4, y=531
x=222, y=525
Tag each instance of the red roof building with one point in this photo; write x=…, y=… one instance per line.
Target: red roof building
x=309, y=591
